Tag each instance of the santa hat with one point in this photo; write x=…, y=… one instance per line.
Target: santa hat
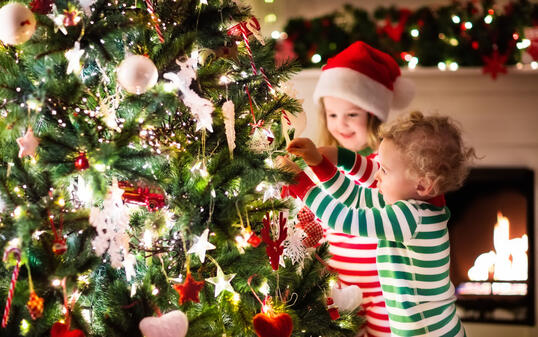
x=366, y=77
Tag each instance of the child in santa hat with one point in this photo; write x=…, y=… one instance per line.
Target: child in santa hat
x=354, y=94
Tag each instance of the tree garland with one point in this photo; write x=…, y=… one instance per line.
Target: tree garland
x=462, y=34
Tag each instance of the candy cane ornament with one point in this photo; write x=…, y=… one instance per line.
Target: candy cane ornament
x=17, y=253
x=151, y=11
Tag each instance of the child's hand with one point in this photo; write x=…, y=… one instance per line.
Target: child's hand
x=305, y=148
x=285, y=164
x=331, y=152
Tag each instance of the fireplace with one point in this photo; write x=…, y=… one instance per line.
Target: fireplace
x=492, y=246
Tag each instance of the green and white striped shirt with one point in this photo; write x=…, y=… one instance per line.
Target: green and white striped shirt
x=413, y=254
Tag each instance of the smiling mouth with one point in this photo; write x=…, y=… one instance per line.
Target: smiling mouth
x=349, y=135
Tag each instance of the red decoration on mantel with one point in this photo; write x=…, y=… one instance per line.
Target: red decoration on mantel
x=81, y=162
x=280, y=325
x=62, y=330
x=395, y=32
x=189, y=290
x=274, y=247
x=494, y=64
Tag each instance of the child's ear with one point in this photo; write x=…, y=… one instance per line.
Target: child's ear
x=425, y=187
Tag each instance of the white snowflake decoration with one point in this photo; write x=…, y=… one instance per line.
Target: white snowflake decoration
x=200, y=107
x=112, y=223
x=294, y=248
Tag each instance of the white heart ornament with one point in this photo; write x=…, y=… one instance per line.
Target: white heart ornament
x=346, y=298
x=172, y=324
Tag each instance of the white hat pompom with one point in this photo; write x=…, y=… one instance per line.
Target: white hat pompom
x=404, y=91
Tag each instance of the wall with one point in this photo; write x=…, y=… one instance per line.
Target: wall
x=499, y=119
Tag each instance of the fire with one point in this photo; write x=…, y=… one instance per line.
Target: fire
x=509, y=261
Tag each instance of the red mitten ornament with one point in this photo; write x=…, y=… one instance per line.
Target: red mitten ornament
x=280, y=325
x=62, y=330
x=305, y=215
x=314, y=233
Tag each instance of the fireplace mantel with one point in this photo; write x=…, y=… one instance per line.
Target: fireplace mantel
x=499, y=119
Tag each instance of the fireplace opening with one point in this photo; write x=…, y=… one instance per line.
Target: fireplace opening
x=492, y=250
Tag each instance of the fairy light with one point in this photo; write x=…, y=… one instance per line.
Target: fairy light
x=56, y=283
x=236, y=298
x=413, y=63
x=275, y=34
x=270, y=18
x=17, y=212
x=523, y=44
x=316, y=58
x=24, y=327
x=453, y=42
x=61, y=202
x=534, y=65
x=415, y=32
x=453, y=66
x=456, y=19
x=441, y=66
x=154, y=290
x=468, y=25
x=488, y=19
x=148, y=239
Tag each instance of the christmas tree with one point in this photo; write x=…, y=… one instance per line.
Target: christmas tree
x=138, y=185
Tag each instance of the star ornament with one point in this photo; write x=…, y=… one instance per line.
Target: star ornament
x=189, y=290
x=201, y=245
x=73, y=56
x=221, y=282
x=494, y=64
x=28, y=144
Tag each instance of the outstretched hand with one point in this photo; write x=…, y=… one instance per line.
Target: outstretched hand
x=285, y=164
x=305, y=148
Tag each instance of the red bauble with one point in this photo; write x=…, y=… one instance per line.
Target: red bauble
x=81, y=162
x=59, y=246
x=35, y=305
x=41, y=6
x=280, y=325
x=62, y=330
x=188, y=291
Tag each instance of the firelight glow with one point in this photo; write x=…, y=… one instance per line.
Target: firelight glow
x=509, y=261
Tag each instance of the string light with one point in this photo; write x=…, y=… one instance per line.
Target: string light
x=456, y=19
x=316, y=58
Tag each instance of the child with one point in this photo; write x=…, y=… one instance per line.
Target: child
x=353, y=95
x=420, y=159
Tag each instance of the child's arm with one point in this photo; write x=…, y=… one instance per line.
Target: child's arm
x=396, y=222
x=343, y=189
x=337, y=184
x=359, y=168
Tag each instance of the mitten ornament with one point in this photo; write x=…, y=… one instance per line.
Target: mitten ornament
x=267, y=325
x=172, y=324
x=62, y=330
x=311, y=227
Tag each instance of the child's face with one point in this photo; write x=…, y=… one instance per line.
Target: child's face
x=346, y=122
x=392, y=178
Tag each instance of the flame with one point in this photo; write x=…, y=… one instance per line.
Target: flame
x=509, y=261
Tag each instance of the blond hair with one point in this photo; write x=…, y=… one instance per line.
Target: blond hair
x=434, y=148
x=373, y=126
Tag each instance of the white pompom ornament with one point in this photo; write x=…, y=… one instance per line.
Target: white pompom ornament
x=346, y=298
x=18, y=23
x=137, y=74
x=172, y=324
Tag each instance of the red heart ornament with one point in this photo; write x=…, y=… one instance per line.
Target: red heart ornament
x=62, y=330
x=280, y=325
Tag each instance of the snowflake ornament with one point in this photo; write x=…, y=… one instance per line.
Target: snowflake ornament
x=200, y=107
x=294, y=248
x=112, y=223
